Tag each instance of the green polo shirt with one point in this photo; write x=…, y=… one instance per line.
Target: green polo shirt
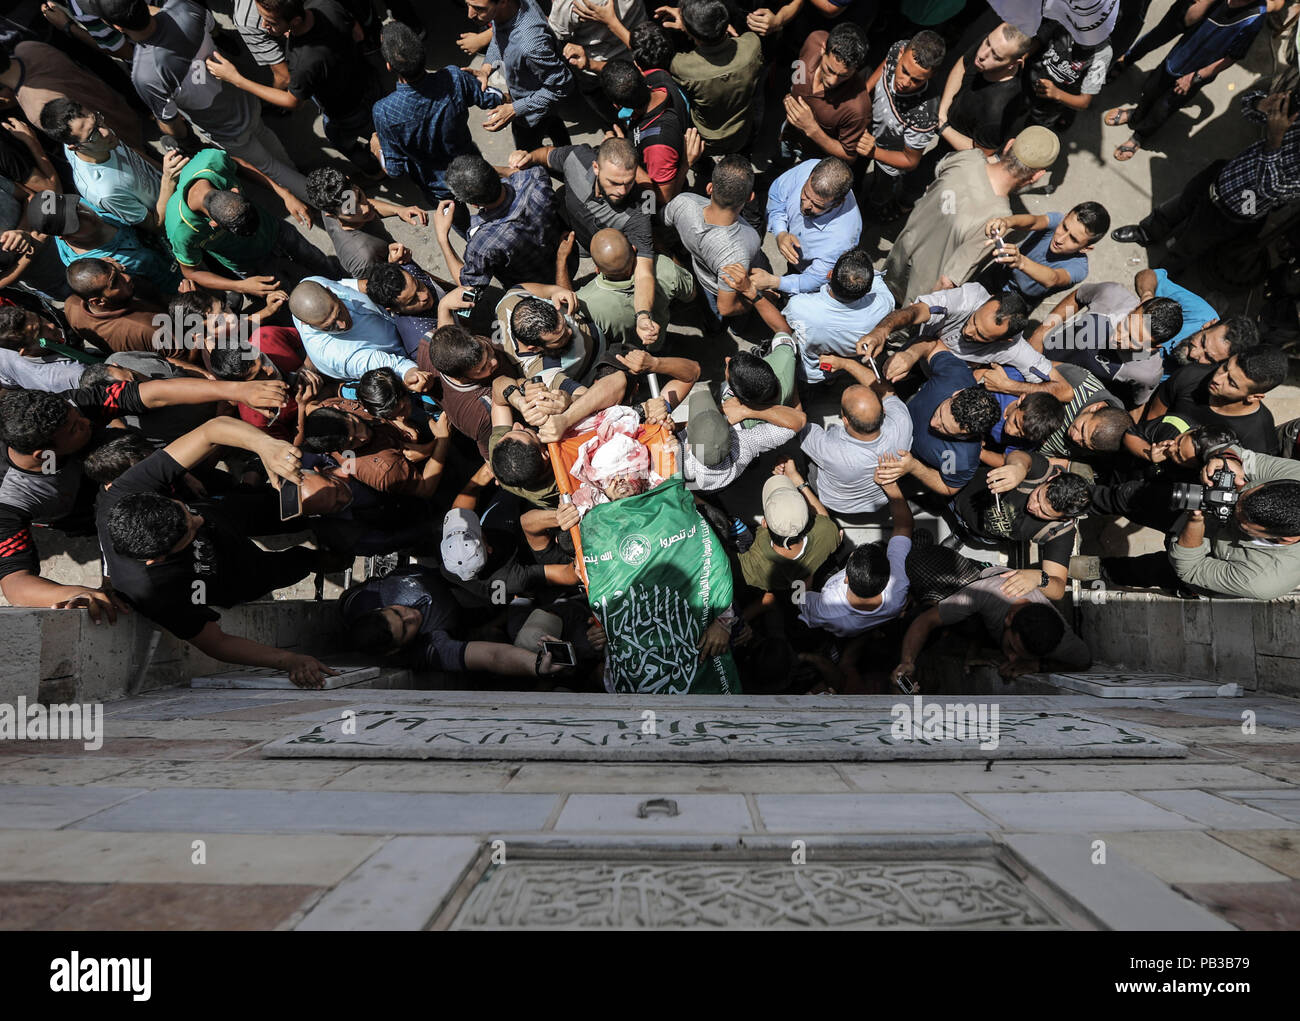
x=192, y=236
x=719, y=83
x=610, y=306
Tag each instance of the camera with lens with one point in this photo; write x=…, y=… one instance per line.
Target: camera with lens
x=1219, y=499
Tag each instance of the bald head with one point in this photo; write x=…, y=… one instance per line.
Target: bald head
x=612, y=253
x=863, y=413
x=313, y=304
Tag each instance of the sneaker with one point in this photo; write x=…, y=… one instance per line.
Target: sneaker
x=742, y=535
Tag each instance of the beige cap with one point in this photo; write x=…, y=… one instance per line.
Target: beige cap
x=784, y=508
x=1036, y=147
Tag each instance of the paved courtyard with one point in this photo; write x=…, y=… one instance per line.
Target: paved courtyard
x=179, y=821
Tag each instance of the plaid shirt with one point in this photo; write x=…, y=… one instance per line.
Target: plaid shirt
x=1259, y=180
x=528, y=54
x=424, y=125
x=517, y=245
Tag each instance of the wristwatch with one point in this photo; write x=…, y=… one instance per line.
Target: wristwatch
x=513, y=388
x=802, y=485
x=1046, y=579
x=644, y=312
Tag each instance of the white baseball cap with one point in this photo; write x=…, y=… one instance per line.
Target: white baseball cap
x=462, y=548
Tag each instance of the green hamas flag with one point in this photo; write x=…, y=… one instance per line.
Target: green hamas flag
x=657, y=578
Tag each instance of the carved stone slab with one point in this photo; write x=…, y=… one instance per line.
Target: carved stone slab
x=586, y=894
x=1139, y=685
x=698, y=734
x=265, y=677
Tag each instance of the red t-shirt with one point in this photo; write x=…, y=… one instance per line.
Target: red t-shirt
x=283, y=346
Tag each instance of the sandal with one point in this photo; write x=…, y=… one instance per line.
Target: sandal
x=1118, y=116
x=1125, y=152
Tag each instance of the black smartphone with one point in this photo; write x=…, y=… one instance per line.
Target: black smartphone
x=290, y=500
x=561, y=653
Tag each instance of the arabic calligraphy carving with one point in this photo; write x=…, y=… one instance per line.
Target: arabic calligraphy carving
x=693, y=894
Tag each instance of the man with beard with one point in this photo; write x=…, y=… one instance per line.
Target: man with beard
x=1205, y=339
x=600, y=192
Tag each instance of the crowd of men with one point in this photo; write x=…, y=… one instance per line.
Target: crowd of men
x=184, y=371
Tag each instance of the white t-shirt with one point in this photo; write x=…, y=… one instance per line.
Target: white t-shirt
x=830, y=607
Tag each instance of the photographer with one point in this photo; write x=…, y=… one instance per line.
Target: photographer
x=1251, y=551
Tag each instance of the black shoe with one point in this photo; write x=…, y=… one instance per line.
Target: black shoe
x=1133, y=234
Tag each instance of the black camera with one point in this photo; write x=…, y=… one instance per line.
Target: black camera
x=1219, y=499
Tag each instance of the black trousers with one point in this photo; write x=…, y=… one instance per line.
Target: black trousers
x=1167, y=28
x=1192, y=222
x=530, y=137
x=1157, y=103
x=1152, y=570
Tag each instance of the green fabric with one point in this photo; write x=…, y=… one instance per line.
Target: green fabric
x=609, y=303
x=767, y=570
x=931, y=12
x=783, y=362
x=192, y=236
x=657, y=578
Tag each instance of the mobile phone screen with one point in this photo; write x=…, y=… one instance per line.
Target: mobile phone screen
x=290, y=500
x=561, y=652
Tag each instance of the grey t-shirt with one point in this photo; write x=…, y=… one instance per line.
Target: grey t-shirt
x=846, y=465
x=950, y=311
x=161, y=425
x=710, y=245
x=18, y=372
x=358, y=249
x=169, y=72
x=986, y=599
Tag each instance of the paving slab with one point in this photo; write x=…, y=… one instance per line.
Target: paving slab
x=221, y=811
x=1278, y=849
x=197, y=705
x=1266, y=752
x=183, y=907
x=1162, y=717
x=417, y=775
x=1078, y=812
x=78, y=856
x=618, y=813
x=236, y=774
x=400, y=887
x=130, y=748
x=1279, y=803
x=689, y=733
x=41, y=770
x=32, y=807
x=961, y=777
x=248, y=731
x=1213, y=811
x=1141, y=685
x=1181, y=857
x=1271, y=907
x=685, y=778
x=1119, y=895
x=869, y=813
x=35, y=905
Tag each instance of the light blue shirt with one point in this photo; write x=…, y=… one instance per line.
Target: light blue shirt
x=823, y=324
x=822, y=239
x=1196, y=313
x=124, y=187
x=372, y=342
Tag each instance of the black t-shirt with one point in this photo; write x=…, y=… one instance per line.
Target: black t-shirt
x=978, y=509
x=984, y=110
x=230, y=567
x=1187, y=394
x=504, y=566
x=16, y=161
x=660, y=79
x=421, y=588
x=326, y=65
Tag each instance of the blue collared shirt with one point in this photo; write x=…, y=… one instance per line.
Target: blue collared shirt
x=823, y=324
x=528, y=54
x=1196, y=313
x=424, y=125
x=371, y=342
x=822, y=239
